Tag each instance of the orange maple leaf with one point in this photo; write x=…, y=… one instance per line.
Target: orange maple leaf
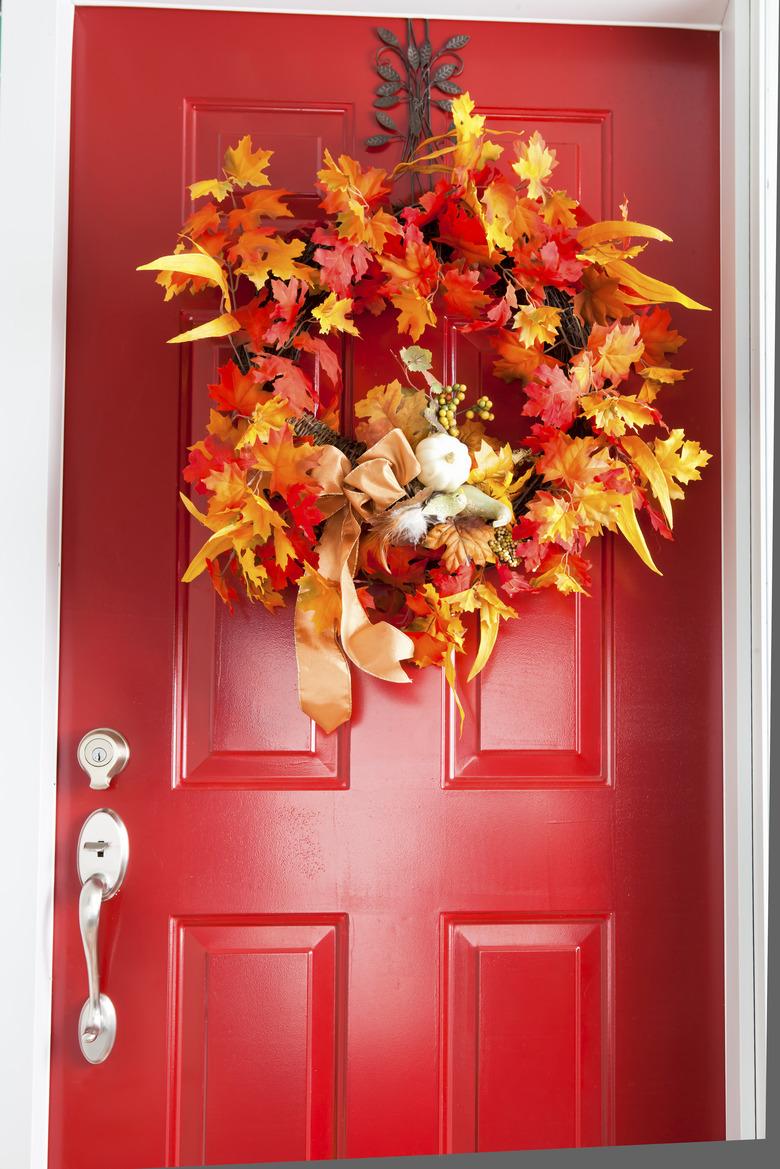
x=288, y=462
x=245, y=166
x=259, y=205
x=573, y=460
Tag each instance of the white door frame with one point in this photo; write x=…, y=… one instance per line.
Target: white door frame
x=34, y=159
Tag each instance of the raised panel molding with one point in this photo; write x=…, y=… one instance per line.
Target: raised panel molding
x=526, y=1033
x=237, y=719
x=267, y=993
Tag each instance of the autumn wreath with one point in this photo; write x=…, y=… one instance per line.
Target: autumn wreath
x=396, y=527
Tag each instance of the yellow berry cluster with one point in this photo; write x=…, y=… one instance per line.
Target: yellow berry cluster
x=448, y=401
x=503, y=547
x=483, y=408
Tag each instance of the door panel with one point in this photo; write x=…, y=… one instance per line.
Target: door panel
x=396, y=938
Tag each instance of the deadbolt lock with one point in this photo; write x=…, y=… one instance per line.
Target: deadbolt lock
x=102, y=753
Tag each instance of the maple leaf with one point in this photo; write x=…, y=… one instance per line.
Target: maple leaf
x=656, y=377
x=221, y=587
x=472, y=150
x=572, y=460
x=245, y=166
x=461, y=541
x=329, y=362
x=535, y=163
x=537, y=324
x=267, y=416
x=517, y=362
x=552, y=397
x=204, y=219
x=301, y=500
x=416, y=269
x=262, y=255
x=558, y=208
x=348, y=186
x=259, y=205
x=554, y=516
x=236, y=390
x=679, y=460
x=287, y=461
x=414, y=313
x=658, y=338
x=613, y=413
x=342, y=263
x=449, y=583
x=499, y=200
x=332, y=314
x=321, y=598
x=461, y=292
x=288, y=300
x=599, y=299
x=493, y=471
x=464, y=233
x=386, y=407
x=218, y=188
x=285, y=378
x=616, y=348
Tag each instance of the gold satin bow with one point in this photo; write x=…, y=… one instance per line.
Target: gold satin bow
x=349, y=496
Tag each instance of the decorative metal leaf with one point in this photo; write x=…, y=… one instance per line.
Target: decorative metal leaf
x=386, y=121
x=411, y=83
x=388, y=72
x=443, y=72
x=448, y=87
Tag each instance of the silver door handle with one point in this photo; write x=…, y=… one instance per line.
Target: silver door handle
x=102, y=856
x=92, y=1022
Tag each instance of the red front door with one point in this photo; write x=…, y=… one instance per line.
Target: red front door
x=390, y=939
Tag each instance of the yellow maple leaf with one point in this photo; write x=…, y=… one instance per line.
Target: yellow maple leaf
x=558, y=208
x=321, y=598
x=493, y=472
x=645, y=461
x=265, y=417
x=679, y=460
x=414, y=312
x=218, y=188
x=612, y=413
x=492, y=610
x=535, y=163
x=386, y=408
x=246, y=166
x=472, y=150
x=656, y=377
x=332, y=314
x=537, y=324
x=616, y=349
x=556, y=517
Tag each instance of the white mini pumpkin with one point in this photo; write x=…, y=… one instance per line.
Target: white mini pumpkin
x=445, y=462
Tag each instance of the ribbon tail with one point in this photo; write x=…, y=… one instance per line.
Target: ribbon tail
x=324, y=680
x=377, y=649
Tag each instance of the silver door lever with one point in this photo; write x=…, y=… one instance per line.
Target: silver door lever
x=102, y=856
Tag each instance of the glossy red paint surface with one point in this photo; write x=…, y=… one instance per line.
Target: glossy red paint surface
x=391, y=939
